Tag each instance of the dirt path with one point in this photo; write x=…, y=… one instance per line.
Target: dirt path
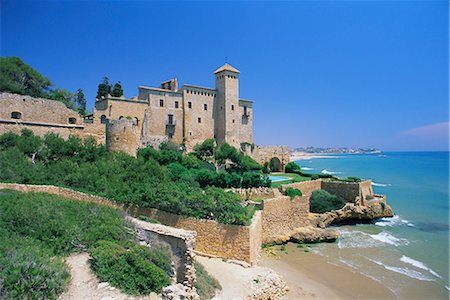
x=84, y=284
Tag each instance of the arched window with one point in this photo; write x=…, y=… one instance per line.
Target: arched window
x=135, y=121
x=72, y=120
x=121, y=117
x=103, y=119
x=16, y=115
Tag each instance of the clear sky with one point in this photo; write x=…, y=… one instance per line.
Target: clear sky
x=322, y=73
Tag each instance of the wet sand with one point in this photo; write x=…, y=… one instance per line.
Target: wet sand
x=311, y=276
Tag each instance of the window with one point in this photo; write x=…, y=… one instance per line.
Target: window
x=170, y=119
x=233, y=121
x=232, y=107
x=72, y=120
x=121, y=117
x=190, y=104
x=103, y=119
x=135, y=121
x=190, y=133
x=16, y=115
x=245, y=110
x=205, y=106
x=161, y=103
x=176, y=104
x=199, y=120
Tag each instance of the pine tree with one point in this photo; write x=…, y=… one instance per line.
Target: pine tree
x=117, y=90
x=81, y=102
x=103, y=88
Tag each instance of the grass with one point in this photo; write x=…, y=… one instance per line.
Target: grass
x=206, y=285
x=293, y=178
x=38, y=230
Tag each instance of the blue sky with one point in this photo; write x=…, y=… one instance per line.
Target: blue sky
x=322, y=73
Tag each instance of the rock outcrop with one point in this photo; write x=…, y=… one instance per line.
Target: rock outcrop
x=353, y=213
x=267, y=287
x=310, y=234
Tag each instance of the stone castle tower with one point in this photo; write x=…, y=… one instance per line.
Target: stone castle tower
x=227, y=104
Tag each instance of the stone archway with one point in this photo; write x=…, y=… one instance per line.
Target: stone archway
x=275, y=164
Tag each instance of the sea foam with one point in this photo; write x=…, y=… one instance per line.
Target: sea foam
x=381, y=184
x=389, y=239
x=394, y=221
x=325, y=171
x=405, y=271
x=418, y=264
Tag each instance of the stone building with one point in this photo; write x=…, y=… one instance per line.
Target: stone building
x=186, y=116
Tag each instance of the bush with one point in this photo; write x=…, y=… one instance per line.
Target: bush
x=292, y=167
x=291, y=192
x=29, y=270
x=351, y=179
x=321, y=201
x=132, y=269
x=206, y=285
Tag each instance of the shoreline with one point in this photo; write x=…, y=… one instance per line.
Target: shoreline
x=311, y=276
x=306, y=156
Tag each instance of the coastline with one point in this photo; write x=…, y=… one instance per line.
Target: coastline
x=306, y=156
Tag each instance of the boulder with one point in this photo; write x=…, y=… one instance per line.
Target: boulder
x=310, y=234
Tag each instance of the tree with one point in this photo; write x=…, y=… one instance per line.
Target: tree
x=205, y=150
x=20, y=78
x=103, y=88
x=63, y=96
x=80, y=100
x=117, y=90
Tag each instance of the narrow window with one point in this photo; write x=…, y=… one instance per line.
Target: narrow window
x=136, y=121
x=170, y=119
x=103, y=119
x=161, y=103
x=190, y=133
x=245, y=110
x=233, y=121
x=205, y=106
x=199, y=120
x=190, y=104
x=16, y=115
x=176, y=104
x=232, y=107
x=72, y=120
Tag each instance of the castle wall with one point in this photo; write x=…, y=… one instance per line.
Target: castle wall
x=245, y=122
x=199, y=122
x=281, y=216
x=36, y=110
x=116, y=108
x=157, y=125
x=307, y=187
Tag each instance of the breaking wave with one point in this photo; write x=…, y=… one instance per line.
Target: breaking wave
x=325, y=171
x=381, y=184
x=394, y=221
x=405, y=271
x=389, y=239
x=418, y=264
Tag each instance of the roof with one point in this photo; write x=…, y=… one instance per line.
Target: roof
x=226, y=67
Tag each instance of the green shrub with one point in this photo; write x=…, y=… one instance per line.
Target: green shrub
x=315, y=177
x=321, y=201
x=351, y=179
x=292, y=167
x=206, y=285
x=291, y=192
x=29, y=270
x=130, y=269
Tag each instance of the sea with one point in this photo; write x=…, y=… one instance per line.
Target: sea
x=408, y=253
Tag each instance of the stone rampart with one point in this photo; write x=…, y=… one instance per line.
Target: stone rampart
x=256, y=193
x=281, y=216
x=307, y=187
x=213, y=238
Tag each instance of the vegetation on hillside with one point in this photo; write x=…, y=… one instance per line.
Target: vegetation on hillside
x=321, y=201
x=163, y=179
x=38, y=230
x=205, y=284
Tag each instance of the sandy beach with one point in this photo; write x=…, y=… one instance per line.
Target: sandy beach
x=308, y=276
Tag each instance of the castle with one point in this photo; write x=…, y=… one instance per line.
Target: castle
x=186, y=116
